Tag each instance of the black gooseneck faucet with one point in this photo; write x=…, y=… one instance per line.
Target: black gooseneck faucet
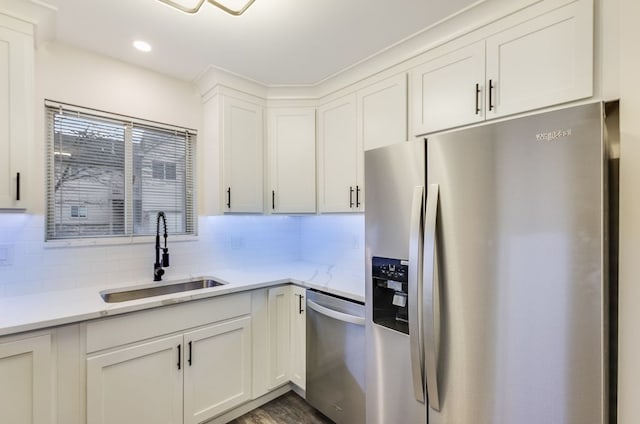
x=157, y=267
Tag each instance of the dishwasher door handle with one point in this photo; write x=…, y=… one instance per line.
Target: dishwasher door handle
x=340, y=316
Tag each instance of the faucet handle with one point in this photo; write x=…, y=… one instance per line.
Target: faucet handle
x=165, y=257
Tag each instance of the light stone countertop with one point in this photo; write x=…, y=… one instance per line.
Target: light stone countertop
x=49, y=309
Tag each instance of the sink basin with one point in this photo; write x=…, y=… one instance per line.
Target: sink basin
x=140, y=292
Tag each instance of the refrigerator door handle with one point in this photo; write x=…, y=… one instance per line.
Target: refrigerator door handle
x=430, y=289
x=414, y=292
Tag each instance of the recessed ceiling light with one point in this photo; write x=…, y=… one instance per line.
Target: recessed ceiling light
x=143, y=46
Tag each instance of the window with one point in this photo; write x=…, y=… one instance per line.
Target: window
x=116, y=174
x=164, y=170
x=78, y=211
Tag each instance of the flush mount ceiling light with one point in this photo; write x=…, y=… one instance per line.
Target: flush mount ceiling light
x=193, y=6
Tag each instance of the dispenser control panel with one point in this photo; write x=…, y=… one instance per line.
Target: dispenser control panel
x=390, y=269
x=390, y=293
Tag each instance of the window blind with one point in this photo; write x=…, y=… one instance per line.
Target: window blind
x=109, y=175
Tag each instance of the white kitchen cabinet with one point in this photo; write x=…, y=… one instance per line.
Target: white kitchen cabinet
x=137, y=384
x=217, y=369
x=178, y=364
x=448, y=91
x=186, y=378
x=544, y=61
x=340, y=157
x=286, y=343
x=26, y=369
x=382, y=113
x=291, y=146
x=279, y=343
x=372, y=117
x=16, y=110
x=243, y=156
x=298, y=317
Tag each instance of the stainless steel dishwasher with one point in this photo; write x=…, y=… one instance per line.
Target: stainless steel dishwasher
x=335, y=357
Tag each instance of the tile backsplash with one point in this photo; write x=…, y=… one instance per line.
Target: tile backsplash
x=28, y=265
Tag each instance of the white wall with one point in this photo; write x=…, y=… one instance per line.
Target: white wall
x=629, y=314
x=336, y=240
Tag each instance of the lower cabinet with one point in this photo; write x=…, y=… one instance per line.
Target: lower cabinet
x=179, y=364
x=217, y=370
x=298, y=338
x=26, y=369
x=138, y=384
x=286, y=329
x=279, y=340
x=187, y=377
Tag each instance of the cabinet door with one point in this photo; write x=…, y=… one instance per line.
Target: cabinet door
x=448, y=91
x=25, y=381
x=339, y=154
x=217, y=369
x=382, y=113
x=291, y=145
x=279, y=335
x=298, y=336
x=243, y=136
x=542, y=62
x=140, y=384
x=16, y=92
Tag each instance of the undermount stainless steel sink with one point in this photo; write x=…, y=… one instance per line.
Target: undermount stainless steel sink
x=140, y=292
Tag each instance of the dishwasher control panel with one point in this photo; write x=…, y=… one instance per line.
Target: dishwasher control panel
x=390, y=293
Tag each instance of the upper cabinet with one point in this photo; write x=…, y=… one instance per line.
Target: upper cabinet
x=16, y=110
x=448, y=90
x=372, y=117
x=535, y=57
x=543, y=61
x=291, y=145
x=243, y=157
x=382, y=112
x=340, y=156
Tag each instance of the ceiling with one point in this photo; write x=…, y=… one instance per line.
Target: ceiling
x=275, y=42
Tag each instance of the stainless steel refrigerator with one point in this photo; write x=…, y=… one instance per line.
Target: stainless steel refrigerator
x=490, y=267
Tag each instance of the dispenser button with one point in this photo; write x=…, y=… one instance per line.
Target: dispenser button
x=400, y=300
x=394, y=285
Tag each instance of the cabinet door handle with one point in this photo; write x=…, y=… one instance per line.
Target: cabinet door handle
x=190, y=353
x=179, y=356
x=17, y=186
x=477, y=99
x=491, y=87
x=300, y=297
x=229, y=197
x=350, y=196
x=273, y=199
x=357, y=196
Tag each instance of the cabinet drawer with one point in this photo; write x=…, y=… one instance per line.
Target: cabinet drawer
x=136, y=326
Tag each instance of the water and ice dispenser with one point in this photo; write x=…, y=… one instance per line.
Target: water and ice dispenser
x=390, y=293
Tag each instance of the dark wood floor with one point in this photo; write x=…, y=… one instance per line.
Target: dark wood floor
x=287, y=409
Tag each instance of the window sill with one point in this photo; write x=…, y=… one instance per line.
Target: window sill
x=116, y=241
